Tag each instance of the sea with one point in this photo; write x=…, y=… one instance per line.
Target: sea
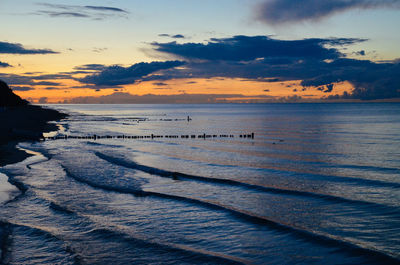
x=318, y=184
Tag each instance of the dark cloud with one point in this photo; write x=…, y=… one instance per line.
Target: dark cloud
x=32, y=73
x=16, y=48
x=53, y=88
x=78, y=72
x=99, y=50
x=176, y=36
x=22, y=88
x=316, y=62
x=32, y=80
x=13, y=79
x=92, y=12
x=270, y=80
x=166, y=75
x=160, y=84
x=106, y=8
x=83, y=87
x=276, y=12
x=361, y=53
x=245, y=48
x=47, y=83
x=90, y=67
x=329, y=88
x=62, y=14
x=96, y=87
x=263, y=80
x=118, y=75
x=3, y=64
x=370, y=80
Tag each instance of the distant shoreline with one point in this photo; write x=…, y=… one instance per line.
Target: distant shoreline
x=238, y=103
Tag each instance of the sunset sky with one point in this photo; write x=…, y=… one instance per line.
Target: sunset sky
x=200, y=51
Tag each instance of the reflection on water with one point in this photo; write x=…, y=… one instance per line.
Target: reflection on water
x=319, y=183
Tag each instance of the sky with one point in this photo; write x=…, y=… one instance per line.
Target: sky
x=190, y=51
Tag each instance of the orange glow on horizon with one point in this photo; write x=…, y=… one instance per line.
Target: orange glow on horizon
x=228, y=86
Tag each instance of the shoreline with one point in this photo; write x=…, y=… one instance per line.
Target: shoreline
x=24, y=123
x=7, y=190
x=10, y=154
x=21, y=124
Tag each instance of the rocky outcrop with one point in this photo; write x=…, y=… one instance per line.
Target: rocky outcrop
x=8, y=98
x=21, y=121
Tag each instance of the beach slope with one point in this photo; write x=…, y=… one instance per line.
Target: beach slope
x=20, y=121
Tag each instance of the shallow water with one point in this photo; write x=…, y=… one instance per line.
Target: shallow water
x=7, y=191
x=319, y=183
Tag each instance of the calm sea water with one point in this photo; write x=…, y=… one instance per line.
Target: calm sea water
x=319, y=184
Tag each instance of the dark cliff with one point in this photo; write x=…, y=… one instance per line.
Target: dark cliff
x=21, y=121
x=8, y=98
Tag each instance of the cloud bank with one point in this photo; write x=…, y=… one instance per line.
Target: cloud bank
x=277, y=12
x=16, y=48
x=3, y=64
x=75, y=11
x=317, y=62
x=176, y=36
x=32, y=80
x=90, y=67
x=118, y=75
x=106, y=8
x=245, y=48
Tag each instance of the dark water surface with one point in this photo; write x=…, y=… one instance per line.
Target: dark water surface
x=319, y=184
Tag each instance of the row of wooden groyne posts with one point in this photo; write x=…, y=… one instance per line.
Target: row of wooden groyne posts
x=152, y=136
